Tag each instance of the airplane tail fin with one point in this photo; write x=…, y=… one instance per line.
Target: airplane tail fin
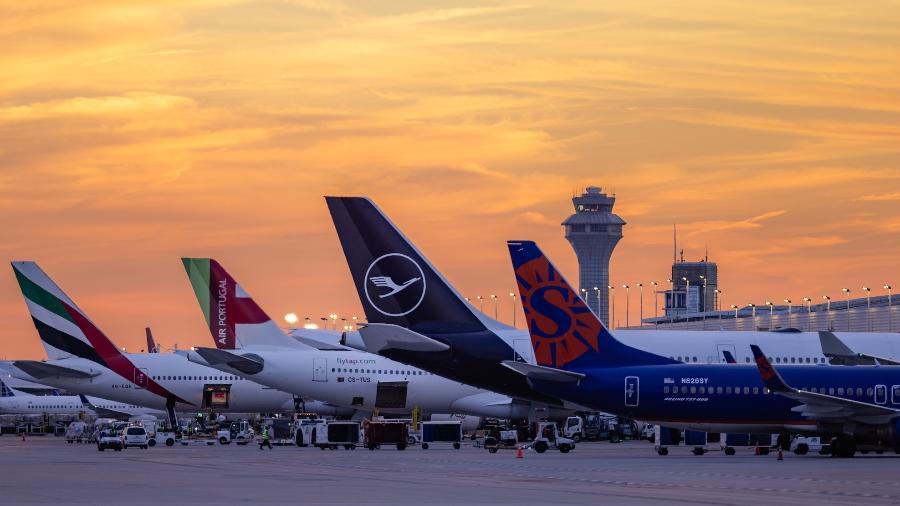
x=565, y=333
x=64, y=329
x=396, y=284
x=232, y=316
x=152, y=347
x=5, y=391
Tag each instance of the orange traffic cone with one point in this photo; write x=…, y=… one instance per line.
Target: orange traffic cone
x=780, y=454
x=519, y=454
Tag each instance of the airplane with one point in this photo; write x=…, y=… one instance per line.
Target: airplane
x=430, y=326
x=82, y=359
x=252, y=346
x=16, y=402
x=579, y=360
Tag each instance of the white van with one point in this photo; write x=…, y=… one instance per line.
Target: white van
x=136, y=436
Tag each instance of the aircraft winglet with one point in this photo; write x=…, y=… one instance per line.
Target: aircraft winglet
x=770, y=376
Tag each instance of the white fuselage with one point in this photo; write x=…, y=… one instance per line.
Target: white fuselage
x=352, y=378
x=25, y=404
x=705, y=347
x=184, y=379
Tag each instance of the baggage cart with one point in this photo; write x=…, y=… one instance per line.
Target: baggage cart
x=387, y=433
x=441, y=432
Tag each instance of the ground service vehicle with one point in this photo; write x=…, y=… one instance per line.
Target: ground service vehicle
x=109, y=439
x=501, y=439
x=240, y=432
x=135, y=436
x=547, y=437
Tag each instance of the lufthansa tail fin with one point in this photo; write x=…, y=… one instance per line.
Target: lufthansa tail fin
x=232, y=316
x=565, y=333
x=396, y=284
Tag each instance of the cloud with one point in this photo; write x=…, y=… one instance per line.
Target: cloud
x=880, y=197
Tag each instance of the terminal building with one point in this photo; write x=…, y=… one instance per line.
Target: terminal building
x=862, y=314
x=593, y=231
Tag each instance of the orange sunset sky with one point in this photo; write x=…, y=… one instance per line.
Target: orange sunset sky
x=134, y=133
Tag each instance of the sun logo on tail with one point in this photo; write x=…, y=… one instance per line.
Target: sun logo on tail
x=562, y=327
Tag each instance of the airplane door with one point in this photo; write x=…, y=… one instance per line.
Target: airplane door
x=895, y=394
x=725, y=347
x=320, y=369
x=880, y=394
x=523, y=350
x=632, y=391
x=140, y=378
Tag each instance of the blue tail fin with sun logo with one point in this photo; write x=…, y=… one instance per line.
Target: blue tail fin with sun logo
x=564, y=332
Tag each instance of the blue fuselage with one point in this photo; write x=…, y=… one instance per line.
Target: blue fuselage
x=721, y=397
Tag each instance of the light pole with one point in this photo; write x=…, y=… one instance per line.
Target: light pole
x=641, y=300
x=890, y=313
x=654, y=284
x=808, y=302
x=496, y=310
x=584, y=295
x=790, y=317
x=627, y=305
x=752, y=307
x=868, y=308
x=480, y=303
x=718, y=301
x=513, y=297
x=671, y=301
x=847, y=296
x=612, y=306
x=291, y=319
x=597, y=294
x=828, y=310
x=333, y=317
x=703, y=309
x=734, y=306
x=687, y=290
x=771, y=312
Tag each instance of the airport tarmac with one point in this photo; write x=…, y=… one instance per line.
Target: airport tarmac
x=46, y=470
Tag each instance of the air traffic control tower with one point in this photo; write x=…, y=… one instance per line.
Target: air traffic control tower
x=594, y=232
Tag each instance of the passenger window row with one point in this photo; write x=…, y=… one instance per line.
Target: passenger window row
x=702, y=390
x=775, y=360
x=380, y=371
x=198, y=378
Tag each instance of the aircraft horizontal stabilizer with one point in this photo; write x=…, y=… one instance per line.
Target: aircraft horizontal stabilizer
x=539, y=372
x=386, y=336
x=248, y=364
x=839, y=353
x=39, y=370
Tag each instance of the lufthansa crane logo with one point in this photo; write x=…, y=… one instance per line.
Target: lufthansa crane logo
x=394, y=284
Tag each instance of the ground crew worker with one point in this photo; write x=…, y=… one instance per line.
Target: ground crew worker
x=265, y=439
